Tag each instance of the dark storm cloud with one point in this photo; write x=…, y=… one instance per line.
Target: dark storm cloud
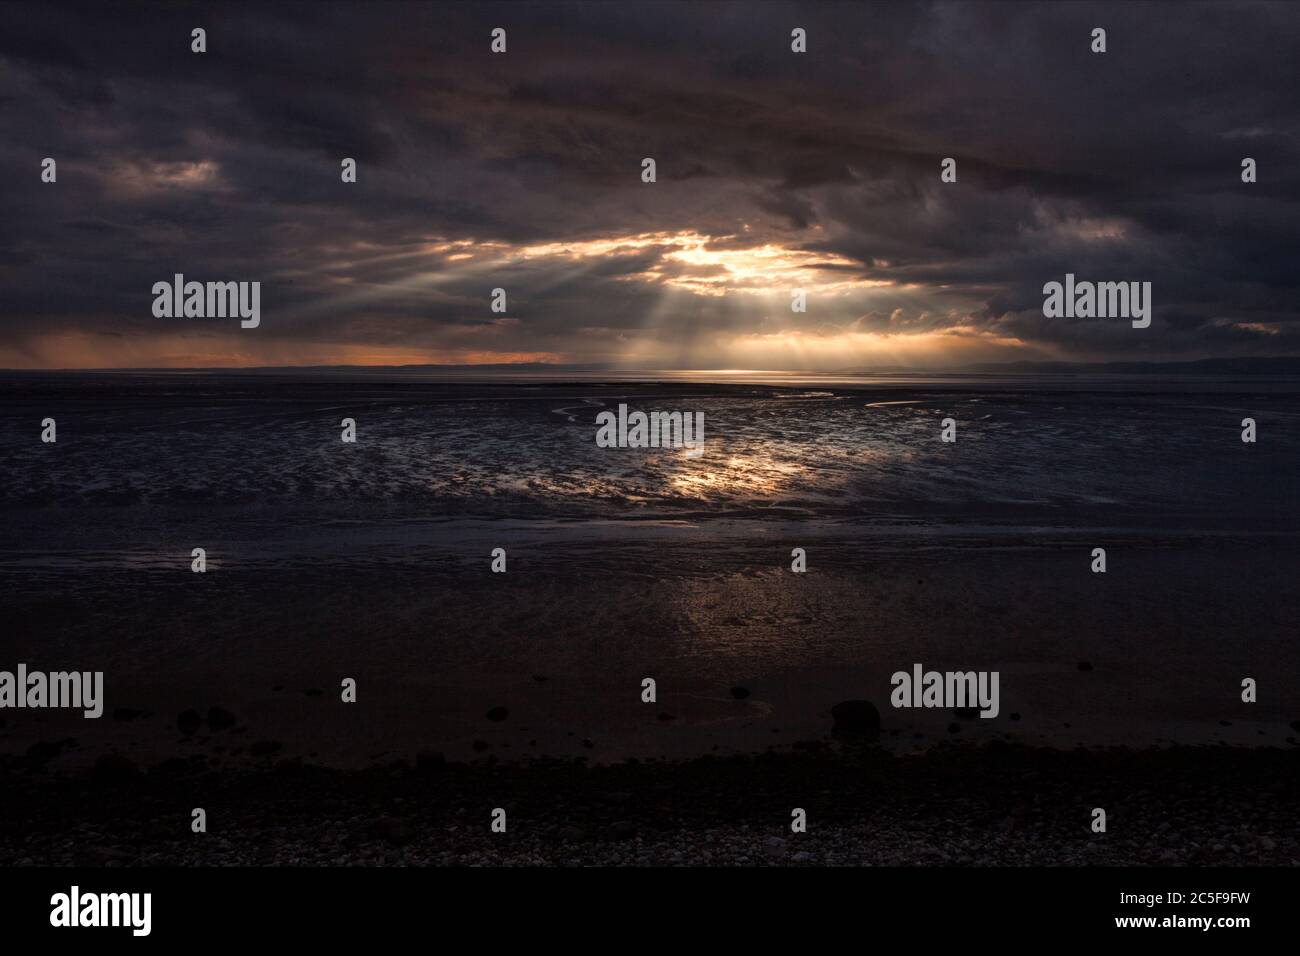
x=225, y=165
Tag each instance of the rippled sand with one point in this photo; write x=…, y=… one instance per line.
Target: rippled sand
x=529, y=452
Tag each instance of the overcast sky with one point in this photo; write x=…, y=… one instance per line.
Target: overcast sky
x=522, y=170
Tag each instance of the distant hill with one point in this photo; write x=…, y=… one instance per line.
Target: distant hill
x=1284, y=365
x=1287, y=365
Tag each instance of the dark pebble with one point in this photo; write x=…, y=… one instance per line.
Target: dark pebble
x=220, y=719
x=430, y=760
x=855, y=717
x=188, y=721
x=622, y=830
x=44, y=750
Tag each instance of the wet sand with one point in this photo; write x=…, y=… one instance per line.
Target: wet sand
x=565, y=637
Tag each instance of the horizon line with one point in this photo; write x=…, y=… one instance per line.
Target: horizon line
x=596, y=367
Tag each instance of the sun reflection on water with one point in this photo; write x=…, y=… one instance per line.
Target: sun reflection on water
x=735, y=474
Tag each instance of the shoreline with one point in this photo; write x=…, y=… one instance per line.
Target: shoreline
x=959, y=805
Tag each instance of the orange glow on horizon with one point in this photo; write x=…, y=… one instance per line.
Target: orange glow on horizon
x=77, y=350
